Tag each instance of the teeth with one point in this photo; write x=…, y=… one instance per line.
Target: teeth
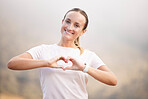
x=68, y=32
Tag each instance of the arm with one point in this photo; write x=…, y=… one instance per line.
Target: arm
x=25, y=62
x=103, y=74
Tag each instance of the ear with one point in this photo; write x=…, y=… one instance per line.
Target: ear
x=62, y=21
x=83, y=31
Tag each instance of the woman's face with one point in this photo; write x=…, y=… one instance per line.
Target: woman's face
x=72, y=25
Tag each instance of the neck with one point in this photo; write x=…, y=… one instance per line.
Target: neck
x=66, y=43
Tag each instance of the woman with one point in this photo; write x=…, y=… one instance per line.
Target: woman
x=64, y=66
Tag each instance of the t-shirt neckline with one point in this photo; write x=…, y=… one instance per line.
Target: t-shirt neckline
x=66, y=47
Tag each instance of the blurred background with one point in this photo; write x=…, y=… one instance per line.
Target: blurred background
x=117, y=32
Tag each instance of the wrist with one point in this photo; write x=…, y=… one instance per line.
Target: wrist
x=82, y=67
x=46, y=63
x=85, y=69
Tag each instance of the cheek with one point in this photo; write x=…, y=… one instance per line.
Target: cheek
x=78, y=31
x=62, y=27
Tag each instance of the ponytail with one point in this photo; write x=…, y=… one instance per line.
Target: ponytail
x=77, y=43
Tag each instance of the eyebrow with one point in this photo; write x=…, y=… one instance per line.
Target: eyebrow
x=67, y=18
x=75, y=22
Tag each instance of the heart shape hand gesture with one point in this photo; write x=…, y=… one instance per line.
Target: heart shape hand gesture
x=77, y=64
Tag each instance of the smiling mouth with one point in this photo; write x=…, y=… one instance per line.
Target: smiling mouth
x=68, y=32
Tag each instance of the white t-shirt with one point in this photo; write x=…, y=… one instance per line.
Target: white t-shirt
x=59, y=84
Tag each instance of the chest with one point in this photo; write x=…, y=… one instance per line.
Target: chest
x=48, y=54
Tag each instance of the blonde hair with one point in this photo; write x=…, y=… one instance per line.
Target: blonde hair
x=77, y=41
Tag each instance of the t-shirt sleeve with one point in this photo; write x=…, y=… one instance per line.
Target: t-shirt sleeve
x=36, y=52
x=96, y=62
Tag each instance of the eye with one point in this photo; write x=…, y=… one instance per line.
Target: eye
x=76, y=25
x=67, y=21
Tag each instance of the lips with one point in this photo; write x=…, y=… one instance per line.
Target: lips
x=68, y=32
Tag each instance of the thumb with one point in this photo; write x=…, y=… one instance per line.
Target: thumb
x=67, y=68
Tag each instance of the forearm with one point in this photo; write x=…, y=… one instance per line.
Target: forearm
x=103, y=76
x=25, y=64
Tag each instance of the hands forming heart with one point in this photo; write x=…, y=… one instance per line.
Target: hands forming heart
x=69, y=63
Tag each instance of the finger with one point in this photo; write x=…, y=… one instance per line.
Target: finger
x=68, y=68
x=58, y=66
x=62, y=58
x=59, y=58
x=55, y=59
x=70, y=58
x=66, y=61
x=63, y=68
x=73, y=60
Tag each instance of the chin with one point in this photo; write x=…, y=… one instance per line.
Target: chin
x=66, y=37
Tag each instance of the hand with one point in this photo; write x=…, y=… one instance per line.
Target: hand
x=77, y=64
x=53, y=62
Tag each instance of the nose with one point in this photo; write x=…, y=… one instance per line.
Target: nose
x=70, y=27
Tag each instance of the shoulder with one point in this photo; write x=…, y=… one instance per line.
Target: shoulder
x=46, y=46
x=89, y=52
x=43, y=47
